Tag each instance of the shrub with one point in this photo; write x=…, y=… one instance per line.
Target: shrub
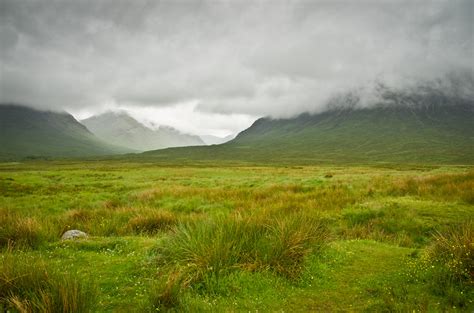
x=28, y=286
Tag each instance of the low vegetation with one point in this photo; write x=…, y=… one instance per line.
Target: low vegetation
x=246, y=238
x=201, y=253
x=451, y=257
x=28, y=285
x=18, y=231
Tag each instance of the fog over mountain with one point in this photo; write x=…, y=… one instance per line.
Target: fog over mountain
x=226, y=63
x=121, y=129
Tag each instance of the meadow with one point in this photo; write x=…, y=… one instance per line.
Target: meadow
x=223, y=238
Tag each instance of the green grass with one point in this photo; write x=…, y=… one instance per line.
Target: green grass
x=28, y=284
x=238, y=238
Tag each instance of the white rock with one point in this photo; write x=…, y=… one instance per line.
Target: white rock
x=73, y=234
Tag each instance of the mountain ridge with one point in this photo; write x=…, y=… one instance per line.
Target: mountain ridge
x=27, y=132
x=122, y=129
x=412, y=128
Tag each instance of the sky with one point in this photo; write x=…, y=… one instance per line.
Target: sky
x=213, y=67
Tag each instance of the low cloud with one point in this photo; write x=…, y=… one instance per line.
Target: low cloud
x=233, y=58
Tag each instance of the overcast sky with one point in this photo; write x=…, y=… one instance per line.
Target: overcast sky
x=212, y=67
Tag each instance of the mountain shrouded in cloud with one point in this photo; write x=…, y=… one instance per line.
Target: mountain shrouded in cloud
x=121, y=129
x=25, y=132
x=277, y=58
x=422, y=126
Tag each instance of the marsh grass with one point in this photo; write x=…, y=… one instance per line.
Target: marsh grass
x=152, y=223
x=165, y=292
x=119, y=221
x=330, y=197
x=459, y=186
x=201, y=253
x=453, y=252
x=445, y=268
x=218, y=228
x=17, y=231
x=392, y=222
x=28, y=285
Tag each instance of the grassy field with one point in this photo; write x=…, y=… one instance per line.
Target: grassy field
x=235, y=238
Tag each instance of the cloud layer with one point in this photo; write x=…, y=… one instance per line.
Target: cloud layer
x=248, y=58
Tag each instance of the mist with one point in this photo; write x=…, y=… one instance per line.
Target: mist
x=227, y=63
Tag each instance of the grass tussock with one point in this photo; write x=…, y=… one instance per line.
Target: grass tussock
x=27, y=285
x=153, y=222
x=447, y=266
x=18, y=231
x=454, y=252
x=201, y=253
x=165, y=293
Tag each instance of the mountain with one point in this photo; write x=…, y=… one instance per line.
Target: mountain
x=26, y=132
x=121, y=129
x=422, y=127
x=215, y=140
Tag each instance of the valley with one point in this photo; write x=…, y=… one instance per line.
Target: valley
x=236, y=156
x=232, y=238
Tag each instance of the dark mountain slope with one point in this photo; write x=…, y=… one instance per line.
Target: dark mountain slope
x=407, y=129
x=26, y=132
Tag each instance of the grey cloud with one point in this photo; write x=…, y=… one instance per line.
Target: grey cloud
x=258, y=58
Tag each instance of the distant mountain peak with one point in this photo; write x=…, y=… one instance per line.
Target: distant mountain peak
x=121, y=128
x=412, y=127
x=27, y=132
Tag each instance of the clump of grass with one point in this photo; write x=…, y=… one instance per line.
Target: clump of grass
x=79, y=215
x=290, y=240
x=152, y=223
x=26, y=285
x=17, y=231
x=165, y=294
x=450, y=264
x=454, y=251
x=202, y=252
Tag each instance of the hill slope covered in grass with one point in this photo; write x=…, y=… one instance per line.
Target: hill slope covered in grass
x=408, y=129
x=121, y=129
x=25, y=132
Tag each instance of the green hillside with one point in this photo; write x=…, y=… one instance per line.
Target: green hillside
x=413, y=130
x=121, y=129
x=26, y=132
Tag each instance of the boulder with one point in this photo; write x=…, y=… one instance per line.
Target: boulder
x=73, y=234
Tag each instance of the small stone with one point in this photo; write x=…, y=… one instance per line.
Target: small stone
x=73, y=234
